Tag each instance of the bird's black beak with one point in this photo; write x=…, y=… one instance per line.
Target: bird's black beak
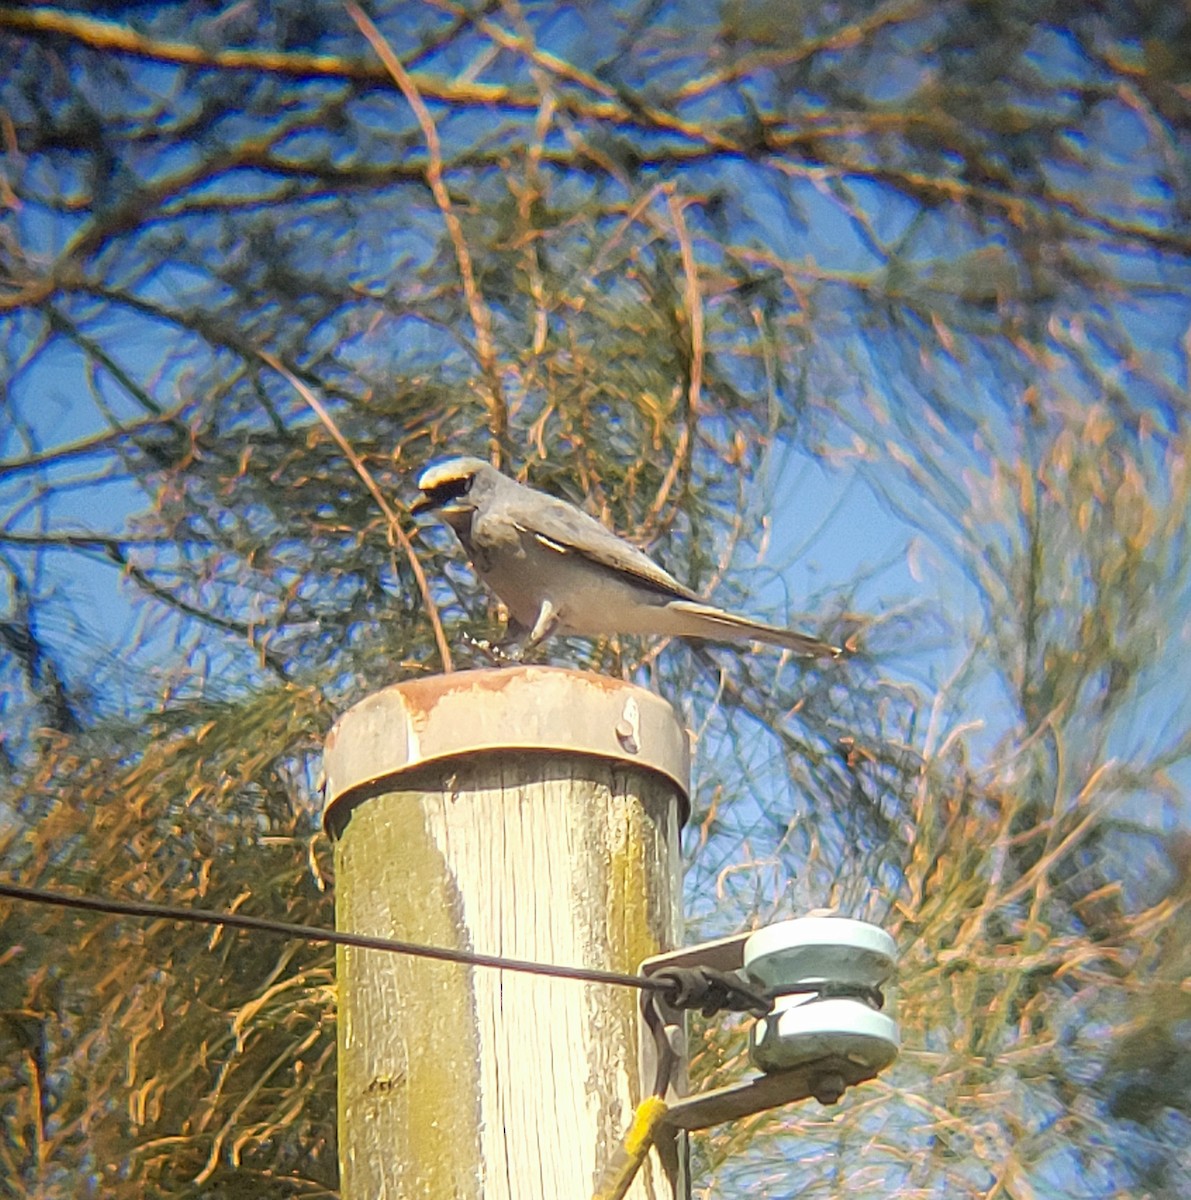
x=422, y=504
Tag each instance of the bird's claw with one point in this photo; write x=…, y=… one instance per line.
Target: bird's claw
x=506, y=653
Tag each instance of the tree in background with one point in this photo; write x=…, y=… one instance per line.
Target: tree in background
x=658, y=260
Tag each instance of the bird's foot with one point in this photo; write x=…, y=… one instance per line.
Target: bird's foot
x=505, y=653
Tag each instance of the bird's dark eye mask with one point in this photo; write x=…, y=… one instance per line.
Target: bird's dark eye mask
x=442, y=494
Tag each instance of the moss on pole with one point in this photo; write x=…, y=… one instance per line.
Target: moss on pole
x=531, y=813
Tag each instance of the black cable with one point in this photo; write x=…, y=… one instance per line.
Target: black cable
x=712, y=991
x=313, y=933
x=830, y=989
x=699, y=987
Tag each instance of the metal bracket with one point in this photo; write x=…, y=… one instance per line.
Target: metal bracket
x=664, y=1055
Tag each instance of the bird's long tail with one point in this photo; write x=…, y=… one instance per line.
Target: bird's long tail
x=706, y=621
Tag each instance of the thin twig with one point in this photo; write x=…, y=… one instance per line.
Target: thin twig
x=395, y=530
x=481, y=318
x=694, y=306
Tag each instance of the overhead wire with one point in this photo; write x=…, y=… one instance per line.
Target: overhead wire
x=703, y=988
x=680, y=987
x=319, y=935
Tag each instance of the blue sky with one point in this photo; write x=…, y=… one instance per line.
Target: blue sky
x=829, y=524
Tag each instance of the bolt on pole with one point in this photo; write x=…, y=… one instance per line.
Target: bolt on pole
x=527, y=812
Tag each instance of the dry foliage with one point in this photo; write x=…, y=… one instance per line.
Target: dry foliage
x=258, y=262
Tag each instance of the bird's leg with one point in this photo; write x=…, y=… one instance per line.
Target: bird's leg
x=518, y=640
x=495, y=652
x=512, y=647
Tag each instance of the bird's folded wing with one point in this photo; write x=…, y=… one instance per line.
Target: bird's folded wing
x=567, y=529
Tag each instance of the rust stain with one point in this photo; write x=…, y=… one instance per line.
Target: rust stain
x=617, y=725
x=421, y=696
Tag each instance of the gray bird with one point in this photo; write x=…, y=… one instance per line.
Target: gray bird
x=560, y=571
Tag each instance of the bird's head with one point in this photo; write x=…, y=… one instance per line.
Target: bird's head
x=453, y=488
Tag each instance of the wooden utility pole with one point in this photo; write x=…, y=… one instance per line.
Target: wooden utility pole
x=528, y=812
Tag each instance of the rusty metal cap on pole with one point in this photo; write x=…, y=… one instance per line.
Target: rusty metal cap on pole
x=423, y=721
